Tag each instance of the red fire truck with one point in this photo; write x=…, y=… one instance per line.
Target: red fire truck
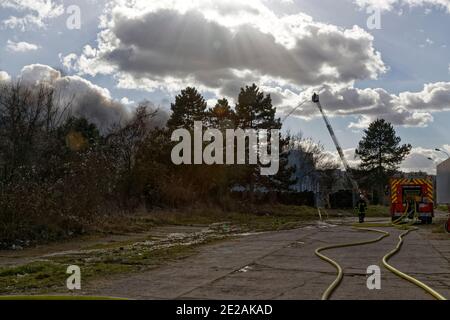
x=412, y=197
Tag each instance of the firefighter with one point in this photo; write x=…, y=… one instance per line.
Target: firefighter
x=411, y=208
x=361, y=206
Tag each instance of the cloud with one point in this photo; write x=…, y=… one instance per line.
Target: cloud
x=433, y=97
x=126, y=101
x=218, y=44
x=4, y=77
x=21, y=46
x=31, y=13
x=419, y=160
x=406, y=108
x=349, y=155
x=389, y=5
x=221, y=46
x=35, y=73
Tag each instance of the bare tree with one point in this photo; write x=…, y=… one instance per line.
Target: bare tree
x=28, y=114
x=310, y=156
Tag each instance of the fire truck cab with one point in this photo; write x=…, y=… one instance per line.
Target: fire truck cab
x=413, y=197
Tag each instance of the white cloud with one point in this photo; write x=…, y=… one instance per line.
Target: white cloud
x=35, y=73
x=4, y=76
x=419, y=160
x=349, y=155
x=406, y=109
x=21, y=46
x=31, y=13
x=221, y=44
x=423, y=159
x=433, y=97
x=127, y=101
x=389, y=5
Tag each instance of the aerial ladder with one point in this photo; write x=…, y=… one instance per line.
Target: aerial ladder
x=356, y=189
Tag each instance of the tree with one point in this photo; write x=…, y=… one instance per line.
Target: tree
x=313, y=165
x=54, y=175
x=126, y=143
x=189, y=106
x=221, y=116
x=310, y=157
x=255, y=110
x=78, y=133
x=380, y=153
x=29, y=116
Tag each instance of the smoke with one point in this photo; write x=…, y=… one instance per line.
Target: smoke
x=160, y=118
x=85, y=99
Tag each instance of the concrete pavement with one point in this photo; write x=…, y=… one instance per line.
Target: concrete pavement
x=282, y=265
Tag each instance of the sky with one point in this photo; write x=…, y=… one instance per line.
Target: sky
x=368, y=59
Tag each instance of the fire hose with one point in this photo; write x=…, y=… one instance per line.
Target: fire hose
x=366, y=227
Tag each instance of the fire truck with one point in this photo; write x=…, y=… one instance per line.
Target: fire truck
x=412, y=197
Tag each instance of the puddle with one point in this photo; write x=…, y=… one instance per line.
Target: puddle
x=245, y=269
x=323, y=224
x=247, y=234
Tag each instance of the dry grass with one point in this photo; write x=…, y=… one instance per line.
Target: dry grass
x=260, y=218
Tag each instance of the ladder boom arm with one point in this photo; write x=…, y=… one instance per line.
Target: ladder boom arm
x=337, y=144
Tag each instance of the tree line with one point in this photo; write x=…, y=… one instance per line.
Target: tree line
x=60, y=173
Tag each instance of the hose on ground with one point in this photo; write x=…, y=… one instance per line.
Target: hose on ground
x=369, y=227
x=340, y=274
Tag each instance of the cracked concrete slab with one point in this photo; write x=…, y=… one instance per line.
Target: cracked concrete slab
x=282, y=265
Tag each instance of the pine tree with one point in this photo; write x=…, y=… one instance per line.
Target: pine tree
x=380, y=153
x=285, y=177
x=189, y=106
x=221, y=116
x=254, y=110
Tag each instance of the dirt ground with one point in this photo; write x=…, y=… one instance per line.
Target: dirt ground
x=277, y=265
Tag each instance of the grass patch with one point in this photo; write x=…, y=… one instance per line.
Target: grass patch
x=50, y=275
x=139, y=254
x=262, y=218
x=41, y=274
x=116, y=244
x=59, y=298
x=439, y=227
x=127, y=256
x=378, y=211
x=373, y=211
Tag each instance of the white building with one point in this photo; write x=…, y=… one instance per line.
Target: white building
x=443, y=182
